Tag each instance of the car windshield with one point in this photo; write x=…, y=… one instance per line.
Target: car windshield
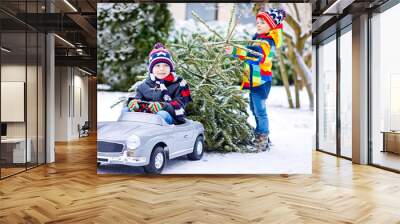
x=142, y=117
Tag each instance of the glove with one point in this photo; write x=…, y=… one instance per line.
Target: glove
x=154, y=107
x=133, y=105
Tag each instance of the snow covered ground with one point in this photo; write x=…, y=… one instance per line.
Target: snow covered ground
x=291, y=134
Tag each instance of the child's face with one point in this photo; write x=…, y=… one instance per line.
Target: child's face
x=161, y=70
x=262, y=26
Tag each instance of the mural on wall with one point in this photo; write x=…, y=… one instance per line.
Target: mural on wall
x=202, y=93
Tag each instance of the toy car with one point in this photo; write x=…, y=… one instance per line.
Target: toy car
x=145, y=139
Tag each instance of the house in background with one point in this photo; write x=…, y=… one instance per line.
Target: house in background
x=212, y=11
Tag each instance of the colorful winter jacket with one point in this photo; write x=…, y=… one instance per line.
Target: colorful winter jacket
x=258, y=69
x=173, y=92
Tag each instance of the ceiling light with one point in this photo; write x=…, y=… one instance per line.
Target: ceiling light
x=331, y=7
x=5, y=50
x=70, y=5
x=338, y=6
x=86, y=72
x=64, y=40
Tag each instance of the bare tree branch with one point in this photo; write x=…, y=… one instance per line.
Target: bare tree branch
x=297, y=12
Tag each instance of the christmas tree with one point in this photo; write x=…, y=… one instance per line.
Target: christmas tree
x=214, y=78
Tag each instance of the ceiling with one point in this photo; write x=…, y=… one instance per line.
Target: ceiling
x=330, y=15
x=74, y=22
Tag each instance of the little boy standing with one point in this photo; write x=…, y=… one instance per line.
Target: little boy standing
x=257, y=75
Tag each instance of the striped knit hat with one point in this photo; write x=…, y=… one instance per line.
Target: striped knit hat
x=160, y=54
x=273, y=17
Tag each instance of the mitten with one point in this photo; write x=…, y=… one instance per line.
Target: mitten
x=133, y=105
x=154, y=107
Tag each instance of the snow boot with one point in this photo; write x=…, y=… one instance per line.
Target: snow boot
x=252, y=148
x=262, y=142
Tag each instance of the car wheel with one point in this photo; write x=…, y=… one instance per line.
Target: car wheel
x=198, y=149
x=157, y=161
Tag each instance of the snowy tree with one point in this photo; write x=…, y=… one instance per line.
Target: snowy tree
x=125, y=35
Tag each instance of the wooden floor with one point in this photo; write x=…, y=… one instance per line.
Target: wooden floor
x=387, y=159
x=70, y=191
x=10, y=171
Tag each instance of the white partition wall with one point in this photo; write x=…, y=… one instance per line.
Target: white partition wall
x=71, y=102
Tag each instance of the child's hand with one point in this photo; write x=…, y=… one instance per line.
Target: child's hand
x=228, y=49
x=133, y=105
x=154, y=107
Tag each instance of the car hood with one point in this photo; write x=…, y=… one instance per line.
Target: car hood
x=121, y=131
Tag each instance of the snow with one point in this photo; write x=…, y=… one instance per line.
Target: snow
x=291, y=135
x=104, y=102
x=103, y=87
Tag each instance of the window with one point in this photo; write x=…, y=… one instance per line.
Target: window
x=327, y=96
x=346, y=93
x=207, y=11
x=23, y=77
x=385, y=89
x=245, y=13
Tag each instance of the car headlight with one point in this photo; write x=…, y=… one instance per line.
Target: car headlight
x=133, y=142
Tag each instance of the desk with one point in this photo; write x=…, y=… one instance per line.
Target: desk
x=16, y=147
x=391, y=141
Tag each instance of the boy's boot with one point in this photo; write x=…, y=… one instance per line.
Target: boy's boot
x=262, y=143
x=254, y=146
x=256, y=139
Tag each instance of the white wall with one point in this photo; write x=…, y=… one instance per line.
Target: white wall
x=224, y=11
x=71, y=102
x=80, y=110
x=33, y=126
x=178, y=10
x=12, y=73
x=62, y=80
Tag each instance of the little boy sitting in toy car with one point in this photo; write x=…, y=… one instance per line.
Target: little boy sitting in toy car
x=166, y=93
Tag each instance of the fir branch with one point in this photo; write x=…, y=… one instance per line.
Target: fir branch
x=230, y=30
x=206, y=25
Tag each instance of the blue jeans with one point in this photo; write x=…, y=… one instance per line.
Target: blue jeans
x=166, y=116
x=258, y=97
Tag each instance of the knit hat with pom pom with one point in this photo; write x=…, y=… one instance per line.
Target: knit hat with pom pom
x=273, y=17
x=160, y=54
